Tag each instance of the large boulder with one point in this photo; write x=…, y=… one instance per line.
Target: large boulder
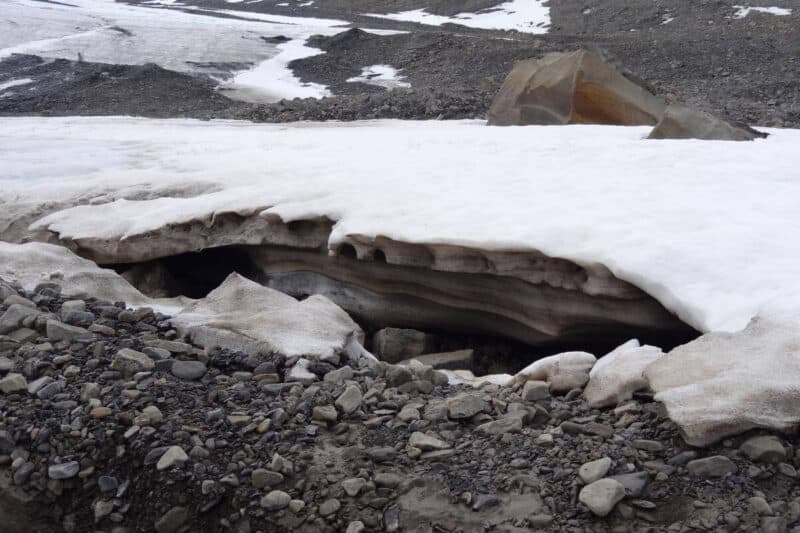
x=682, y=122
x=726, y=383
x=616, y=376
x=572, y=88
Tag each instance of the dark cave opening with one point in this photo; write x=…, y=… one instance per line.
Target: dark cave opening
x=196, y=274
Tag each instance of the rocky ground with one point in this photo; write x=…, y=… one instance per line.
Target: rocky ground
x=108, y=422
x=744, y=69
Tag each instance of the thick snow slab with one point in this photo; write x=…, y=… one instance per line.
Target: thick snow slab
x=617, y=375
x=723, y=384
x=243, y=315
x=527, y=16
x=702, y=226
x=216, y=43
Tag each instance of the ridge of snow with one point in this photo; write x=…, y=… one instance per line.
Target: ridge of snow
x=705, y=227
x=743, y=11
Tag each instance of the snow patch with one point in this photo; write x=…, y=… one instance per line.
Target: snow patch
x=382, y=76
x=527, y=16
x=14, y=83
x=743, y=11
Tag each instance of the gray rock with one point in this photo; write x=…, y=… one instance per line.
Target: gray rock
x=172, y=520
x=174, y=456
x=356, y=526
x=602, y=495
x=329, y=507
x=457, y=360
x=13, y=383
x=7, y=442
x=275, y=500
x=764, y=449
x=339, y=375
x=393, y=344
x=58, y=331
x=353, y=486
x=73, y=305
x=508, y=424
x=594, y=470
x=64, y=470
x=170, y=346
x=387, y=479
x=265, y=478
x=652, y=446
x=425, y=442
x=50, y=390
x=398, y=375
x=325, y=413
x=23, y=335
x=188, y=370
x=465, y=405
x=535, y=390
x=711, y=467
x=13, y=317
x=6, y=364
x=350, y=399
x=759, y=506
x=485, y=501
x=130, y=362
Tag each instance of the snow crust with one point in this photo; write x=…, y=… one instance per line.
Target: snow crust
x=620, y=373
x=527, y=16
x=382, y=76
x=743, y=11
x=219, y=43
x=705, y=227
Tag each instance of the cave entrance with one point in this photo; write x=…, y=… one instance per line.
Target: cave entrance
x=196, y=274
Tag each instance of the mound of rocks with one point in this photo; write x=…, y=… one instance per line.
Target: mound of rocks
x=121, y=425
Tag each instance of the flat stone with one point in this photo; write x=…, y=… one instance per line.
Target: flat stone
x=188, y=370
x=457, y=360
x=594, y=470
x=648, y=445
x=535, y=390
x=64, y=470
x=764, y=449
x=275, y=500
x=324, y=413
x=170, y=346
x=339, y=376
x=425, y=442
x=174, y=456
x=353, y=486
x=7, y=442
x=13, y=383
x=58, y=331
x=130, y=362
x=350, y=399
x=634, y=483
x=715, y=466
x=602, y=495
x=508, y=424
x=465, y=405
x=6, y=364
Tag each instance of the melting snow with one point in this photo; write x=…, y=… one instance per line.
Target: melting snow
x=197, y=41
x=528, y=16
x=382, y=76
x=705, y=227
x=743, y=11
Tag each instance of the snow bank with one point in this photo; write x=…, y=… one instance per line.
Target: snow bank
x=218, y=43
x=527, y=16
x=700, y=225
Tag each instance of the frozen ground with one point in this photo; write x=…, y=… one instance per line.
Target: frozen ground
x=702, y=226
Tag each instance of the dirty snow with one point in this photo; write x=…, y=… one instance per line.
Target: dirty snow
x=382, y=76
x=527, y=16
x=14, y=83
x=199, y=41
x=702, y=226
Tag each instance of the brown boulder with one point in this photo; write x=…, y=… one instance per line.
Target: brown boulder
x=682, y=122
x=572, y=88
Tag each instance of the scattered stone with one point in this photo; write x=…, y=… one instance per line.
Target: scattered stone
x=275, y=500
x=174, y=456
x=394, y=345
x=172, y=520
x=329, y=507
x=711, y=467
x=325, y=413
x=350, y=399
x=130, y=362
x=353, y=486
x=594, y=470
x=265, y=478
x=188, y=370
x=764, y=449
x=64, y=470
x=58, y=331
x=13, y=383
x=602, y=495
x=425, y=442
x=534, y=391
x=465, y=405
